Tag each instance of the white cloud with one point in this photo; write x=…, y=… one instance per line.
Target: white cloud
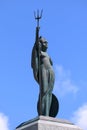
x=4, y=122
x=80, y=117
x=63, y=83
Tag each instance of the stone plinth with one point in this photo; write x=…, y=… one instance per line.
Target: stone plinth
x=47, y=123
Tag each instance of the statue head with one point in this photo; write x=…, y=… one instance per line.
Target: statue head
x=44, y=43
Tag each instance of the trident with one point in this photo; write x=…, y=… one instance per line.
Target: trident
x=38, y=16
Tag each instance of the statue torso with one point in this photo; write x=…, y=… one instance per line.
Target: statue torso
x=45, y=60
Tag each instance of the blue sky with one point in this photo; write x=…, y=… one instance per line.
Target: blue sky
x=64, y=25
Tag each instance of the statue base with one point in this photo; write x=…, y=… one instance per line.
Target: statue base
x=47, y=123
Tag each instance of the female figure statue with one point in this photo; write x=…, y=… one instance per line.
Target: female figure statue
x=43, y=73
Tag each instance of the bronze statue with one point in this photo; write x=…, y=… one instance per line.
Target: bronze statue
x=44, y=75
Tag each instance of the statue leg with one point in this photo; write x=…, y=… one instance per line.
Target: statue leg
x=51, y=85
x=45, y=97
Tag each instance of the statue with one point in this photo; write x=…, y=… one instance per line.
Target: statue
x=44, y=75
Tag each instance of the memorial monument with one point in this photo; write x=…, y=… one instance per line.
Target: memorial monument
x=47, y=105
x=41, y=64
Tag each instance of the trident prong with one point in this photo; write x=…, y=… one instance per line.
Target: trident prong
x=38, y=16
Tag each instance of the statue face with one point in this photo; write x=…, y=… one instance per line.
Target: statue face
x=44, y=46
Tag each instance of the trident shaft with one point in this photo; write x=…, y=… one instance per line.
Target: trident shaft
x=38, y=16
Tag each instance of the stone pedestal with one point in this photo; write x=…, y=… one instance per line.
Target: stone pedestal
x=47, y=123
